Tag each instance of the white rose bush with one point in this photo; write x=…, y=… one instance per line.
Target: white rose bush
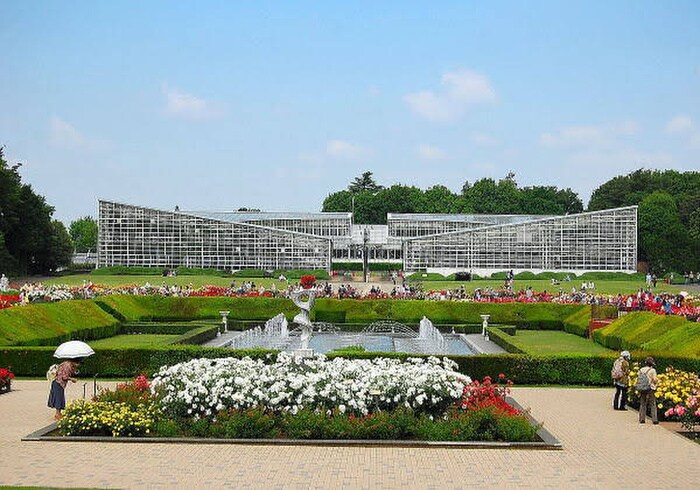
x=205, y=387
x=286, y=397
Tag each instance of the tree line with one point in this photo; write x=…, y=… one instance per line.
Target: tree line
x=668, y=214
x=31, y=241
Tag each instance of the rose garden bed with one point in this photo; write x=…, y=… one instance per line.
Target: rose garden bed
x=291, y=400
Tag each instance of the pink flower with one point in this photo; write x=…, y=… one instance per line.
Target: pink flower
x=668, y=412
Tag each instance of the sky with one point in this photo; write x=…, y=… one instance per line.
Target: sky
x=273, y=105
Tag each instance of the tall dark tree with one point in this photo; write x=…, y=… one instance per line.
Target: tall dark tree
x=364, y=183
x=666, y=236
x=31, y=243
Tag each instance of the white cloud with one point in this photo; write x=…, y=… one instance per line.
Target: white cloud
x=335, y=149
x=680, y=125
x=483, y=139
x=459, y=91
x=65, y=135
x=428, y=152
x=343, y=150
x=589, y=135
x=188, y=106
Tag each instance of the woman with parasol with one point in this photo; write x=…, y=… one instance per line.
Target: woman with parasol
x=59, y=375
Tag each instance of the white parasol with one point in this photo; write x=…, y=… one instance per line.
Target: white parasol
x=73, y=350
x=683, y=293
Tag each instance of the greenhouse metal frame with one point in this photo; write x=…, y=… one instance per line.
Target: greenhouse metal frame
x=139, y=236
x=593, y=241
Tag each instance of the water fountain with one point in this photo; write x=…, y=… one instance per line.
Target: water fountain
x=380, y=336
x=303, y=319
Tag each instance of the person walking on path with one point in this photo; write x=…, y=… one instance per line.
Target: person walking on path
x=646, y=386
x=621, y=378
x=57, y=396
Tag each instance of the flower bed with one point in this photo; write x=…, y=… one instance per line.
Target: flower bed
x=676, y=395
x=316, y=398
x=6, y=377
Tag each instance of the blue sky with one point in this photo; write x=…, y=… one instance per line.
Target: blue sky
x=221, y=105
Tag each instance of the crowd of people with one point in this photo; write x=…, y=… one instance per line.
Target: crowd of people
x=643, y=300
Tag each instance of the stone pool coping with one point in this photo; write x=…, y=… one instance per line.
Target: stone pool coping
x=548, y=440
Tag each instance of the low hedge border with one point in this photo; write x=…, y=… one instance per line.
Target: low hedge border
x=523, y=369
x=500, y=337
x=197, y=336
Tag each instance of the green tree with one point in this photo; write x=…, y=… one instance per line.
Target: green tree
x=30, y=243
x=364, y=183
x=438, y=199
x=83, y=232
x=634, y=189
x=663, y=240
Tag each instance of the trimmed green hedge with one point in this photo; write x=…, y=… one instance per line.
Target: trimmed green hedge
x=502, y=338
x=652, y=333
x=52, y=323
x=198, y=335
x=633, y=330
x=320, y=274
x=523, y=369
x=523, y=315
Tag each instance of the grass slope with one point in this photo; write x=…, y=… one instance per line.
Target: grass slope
x=42, y=324
x=634, y=330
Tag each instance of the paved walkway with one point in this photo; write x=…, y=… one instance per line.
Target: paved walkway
x=602, y=449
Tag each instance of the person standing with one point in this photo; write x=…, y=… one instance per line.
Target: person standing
x=621, y=378
x=57, y=396
x=646, y=386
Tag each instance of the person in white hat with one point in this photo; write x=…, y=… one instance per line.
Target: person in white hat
x=621, y=378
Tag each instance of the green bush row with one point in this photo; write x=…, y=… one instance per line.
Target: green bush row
x=651, y=332
x=320, y=274
x=198, y=335
x=165, y=328
x=49, y=323
x=524, y=315
x=501, y=338
x=561, y=369
x=477, y=425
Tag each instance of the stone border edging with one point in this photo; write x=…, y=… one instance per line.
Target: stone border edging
x=549, y=442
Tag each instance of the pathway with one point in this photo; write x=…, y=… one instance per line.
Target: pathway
x=602, y=449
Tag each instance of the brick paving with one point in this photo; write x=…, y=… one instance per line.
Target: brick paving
x=602, y=449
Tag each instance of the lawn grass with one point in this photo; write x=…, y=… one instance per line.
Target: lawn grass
x=133, y=340
x=603, y=286
x=157, y=280
x=546, y=342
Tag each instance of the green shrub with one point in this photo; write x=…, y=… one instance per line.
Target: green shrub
x=603, y=311
x=635, y=329
x=525, y=275
x=611, y=276
x=198, y=335
x=428, y=276
x=503, y=339
x=329, y=316
x=52, y=323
